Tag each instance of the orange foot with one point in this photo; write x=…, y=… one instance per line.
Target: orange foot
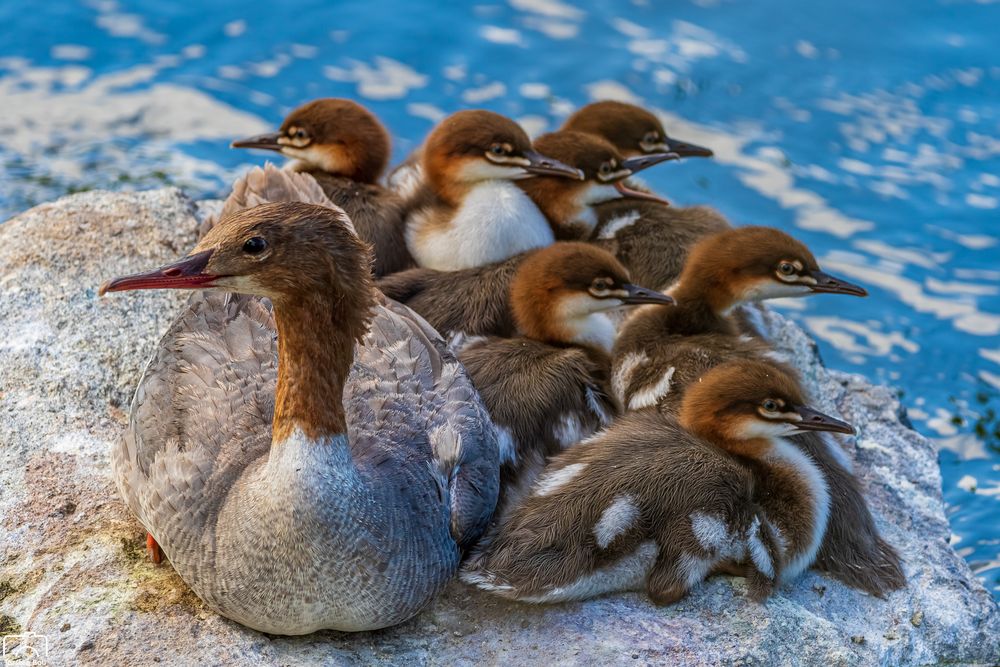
x=155, y=553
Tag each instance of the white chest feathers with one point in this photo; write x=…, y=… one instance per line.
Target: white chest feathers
x=495, y=221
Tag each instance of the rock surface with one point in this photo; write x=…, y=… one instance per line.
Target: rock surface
x=72, y=566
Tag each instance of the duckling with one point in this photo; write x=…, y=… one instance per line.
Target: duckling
x=299, y=481
x=630, y=128
x=566, y=203
x=569, y=204
x=658, y=355
x=661, y=503
x=469, y=213
x=345, y=148
x=650, y=238
x=725, y=270
x=549, y=387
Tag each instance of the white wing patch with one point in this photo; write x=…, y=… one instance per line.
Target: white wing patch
x=623, y=373
x=758, y=552
x=568, y=430
x=710, y=531
x=552, y=481
x=627, y=574
x=597, y=407
x=616, y=519
x=618, y=223
x=651, y=395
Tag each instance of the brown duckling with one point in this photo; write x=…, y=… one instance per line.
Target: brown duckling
x=345, y=148
x=549, y=387
x=659, y=355
x=661, y=503
x=468, y=212
x=650, y=238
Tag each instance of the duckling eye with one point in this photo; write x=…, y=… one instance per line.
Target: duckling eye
x=786, y=269
x=651, y=137
x=254, y=245
x=769, y=405
x=601, y=284
x=300, y=134
x=606, y=168
x=498, y=149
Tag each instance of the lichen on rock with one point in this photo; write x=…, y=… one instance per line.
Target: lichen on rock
x=72, y=560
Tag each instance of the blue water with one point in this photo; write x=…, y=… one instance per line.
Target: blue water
x=870, y=130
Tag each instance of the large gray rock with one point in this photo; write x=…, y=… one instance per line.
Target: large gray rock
x=73, y=567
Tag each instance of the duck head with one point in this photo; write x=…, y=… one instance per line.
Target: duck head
x=744, y=404
x=604, y=172
x=632, y=130
x=563, y=293
x=752, y=264
x=334, y=135
x=289, y=252
x=473, y=146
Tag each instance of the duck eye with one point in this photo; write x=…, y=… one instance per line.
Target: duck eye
x=651, y=137
x=786, y=268
x=498, y=149
x=300, y=134
x=606, y=167
x=254, y=245
x=769, y=405
x=601, y=284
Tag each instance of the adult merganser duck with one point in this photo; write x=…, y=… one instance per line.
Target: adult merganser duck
x=303, y=481
x=549, y=387
x=469, y=212
x=658, y=355
x=661, y=504
x=345, y=148
x=650, y=238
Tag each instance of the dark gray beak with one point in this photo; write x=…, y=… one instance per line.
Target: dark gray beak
x=546, y=166
x=265, y=141
x=636, y=295
x=813, y=420
x=826, y=283
x=684, y=149
x=640, y=162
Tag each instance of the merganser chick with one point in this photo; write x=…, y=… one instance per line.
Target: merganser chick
x=469, y=212
x=659, y=355
x=631, y=129
x=657, y=503
x=345, y=148
x=323, y=468
x=569, y=204
x=650, y=238
x=725, y=270
x=549, y=387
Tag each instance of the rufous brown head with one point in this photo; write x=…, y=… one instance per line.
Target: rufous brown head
x=334, y=135
x=632, y=129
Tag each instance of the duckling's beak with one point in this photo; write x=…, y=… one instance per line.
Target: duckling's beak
x=829, y=284
x=187, y=273
x=640, y=162
x=546, y=166
x=267, y=141
x=682, y=148
x=813, y=420
x=628, y=193
x=636, y=295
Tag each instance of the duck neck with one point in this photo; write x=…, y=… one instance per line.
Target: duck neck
x=317, y=334
x=700, y=309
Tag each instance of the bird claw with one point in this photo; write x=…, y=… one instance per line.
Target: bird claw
x=153, y=549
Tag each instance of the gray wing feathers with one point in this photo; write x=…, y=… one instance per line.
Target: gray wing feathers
x=269, y=184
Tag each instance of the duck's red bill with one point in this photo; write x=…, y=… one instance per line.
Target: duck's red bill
x=184, y=274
